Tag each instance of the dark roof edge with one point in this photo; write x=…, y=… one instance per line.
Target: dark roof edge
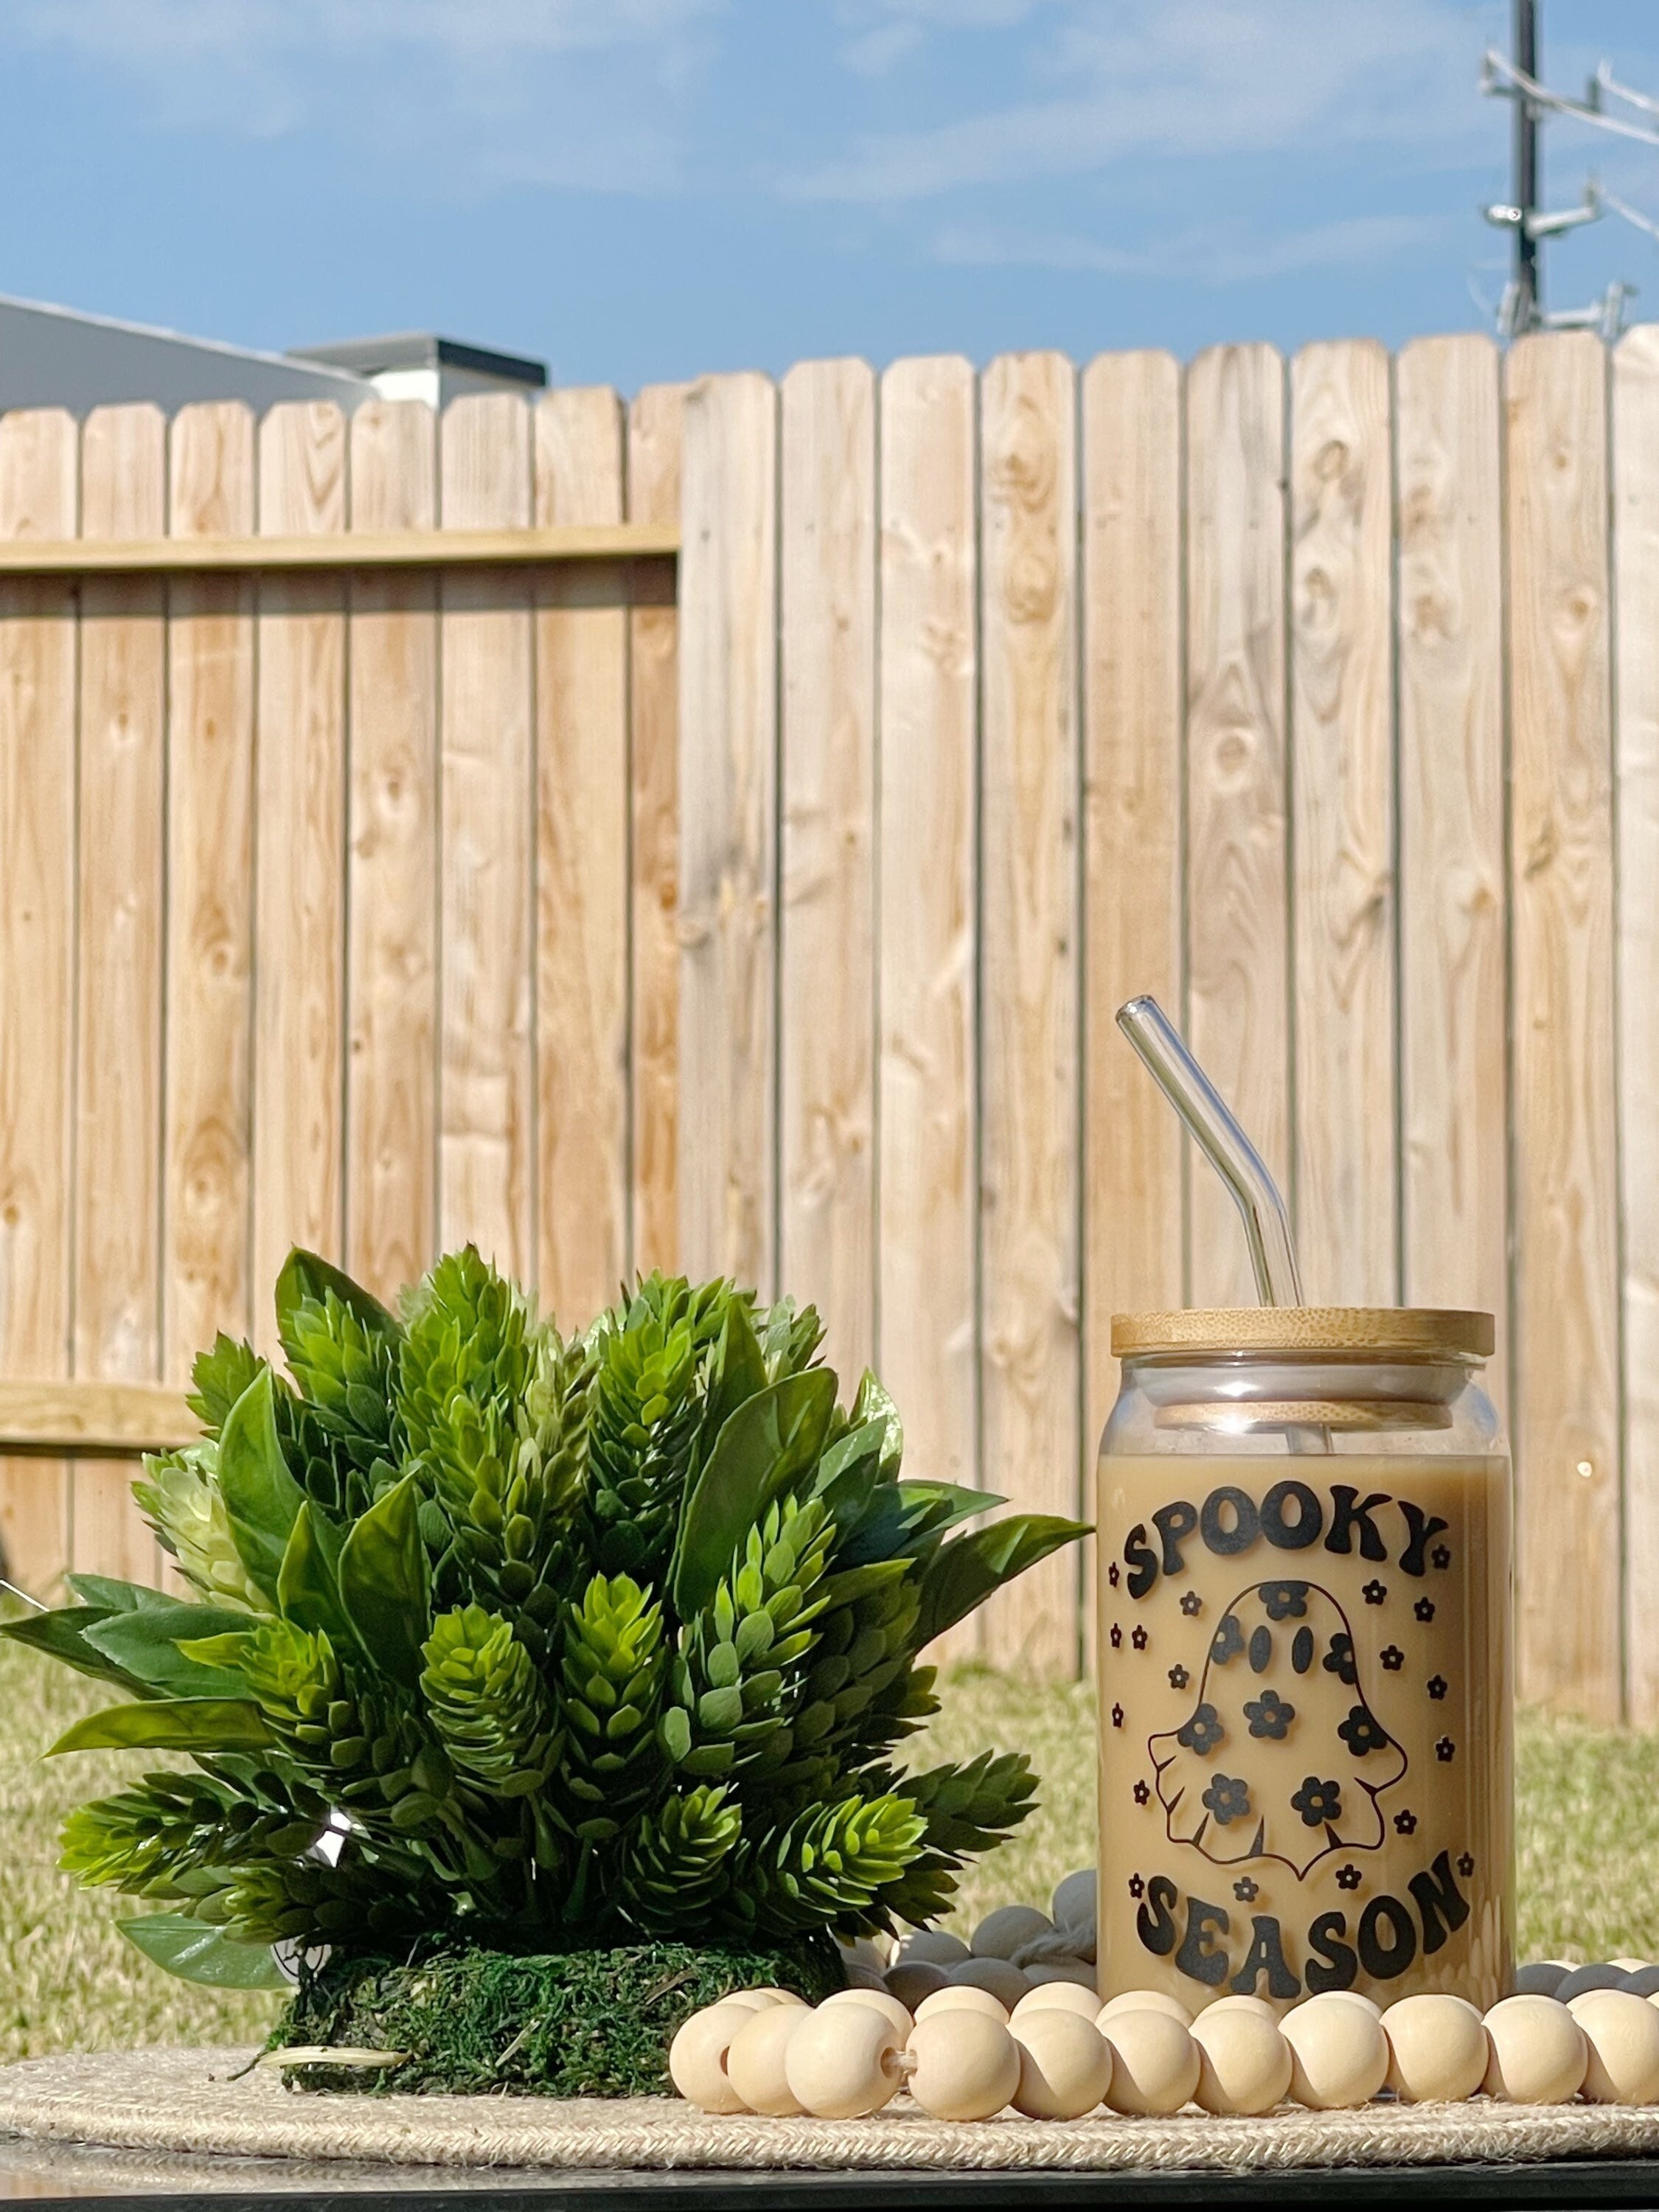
x=422, y=349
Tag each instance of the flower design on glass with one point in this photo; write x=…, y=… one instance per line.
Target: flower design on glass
x=1179, y=1678
x=1117, y=1715
x=1437, y=1686
x=1393, y=1659
x=1444, y=1749
x=1112, y=1574
x=1202, y=1732
x=1117, y=1637
x=1424, y=1608
x=1229, y=1799
x=1339, y=1660
x=1374, y=1593
x=1227, y=1641
x=1404, y=1824
x=1284, y=1600
x=1466, y=1863
x=1269, y=1715
x=1137, y=1887
x=1139, y=1639
x=1361, y=1732
x=1246, y=1891
x=1143, y=1793
x=1347, y=1877
x=1318, y=1803
x=1441, y=1555
x=1191, y=1603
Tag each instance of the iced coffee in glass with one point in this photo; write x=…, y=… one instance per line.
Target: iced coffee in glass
x=1305, y=1769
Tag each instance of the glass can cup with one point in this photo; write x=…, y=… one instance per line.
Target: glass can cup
x=1303, y=1521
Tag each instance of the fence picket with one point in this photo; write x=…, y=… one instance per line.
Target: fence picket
x=1030, y=1156
x=1237, y=923
x=1342, y=737
x=392, y=954
x=210, y=649
x=299, y=975
x=1453, y=930
x=654, y=424
x=39, y=456
x=581, y=868
x=827, y=644
x=1131, y=592
x=1567, y=1316
x=927, y=808
x=728, y=830
x=118, y=1164
x=1636, y=550
x=486, y=1191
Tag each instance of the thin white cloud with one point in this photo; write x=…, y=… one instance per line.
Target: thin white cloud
x=1186, y=78
x=574, y=92
x=1218, y=256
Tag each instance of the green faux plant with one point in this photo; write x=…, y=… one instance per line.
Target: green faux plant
x=506, y=1640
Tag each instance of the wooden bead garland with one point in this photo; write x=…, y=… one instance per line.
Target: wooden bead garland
x=764, y=2051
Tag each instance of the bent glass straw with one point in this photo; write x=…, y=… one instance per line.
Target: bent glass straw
x=1224, y=1144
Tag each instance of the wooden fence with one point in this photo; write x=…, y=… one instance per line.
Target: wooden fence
x=780, y=931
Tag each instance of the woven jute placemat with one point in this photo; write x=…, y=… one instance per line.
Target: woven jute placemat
x=185, y=2101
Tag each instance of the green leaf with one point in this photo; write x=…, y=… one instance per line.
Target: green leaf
x=962, y=1574
x=873, y=1404
x=307, y=1275
x=261, y=1496
x=383, y=1582
x=772, y=1437
x=849, y=1473
x=170, y=1724
x=197, y=1953
x=146, y=1643
x=308, y=1580
x=112, y=1596
x=739, y=1369
x=63, y=1635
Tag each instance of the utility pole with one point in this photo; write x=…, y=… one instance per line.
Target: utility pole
x=1527, y=307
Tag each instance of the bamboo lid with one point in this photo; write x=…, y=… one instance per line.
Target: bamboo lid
x=1417, y=1332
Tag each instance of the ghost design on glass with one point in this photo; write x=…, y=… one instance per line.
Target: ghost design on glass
x=1281, y=1756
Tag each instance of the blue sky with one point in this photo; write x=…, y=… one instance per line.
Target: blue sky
x=636, y=189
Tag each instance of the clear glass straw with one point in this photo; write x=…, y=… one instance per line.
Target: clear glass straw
x=1210, y=1120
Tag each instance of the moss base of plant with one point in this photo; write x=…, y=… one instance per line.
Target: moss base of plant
x=569, y=2024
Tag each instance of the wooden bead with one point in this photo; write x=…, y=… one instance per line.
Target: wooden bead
x=963, y=1996
x=882, y=2001
x=1259, y=2006
x=1005, y=1982
x=1541, y=1978
x=1539, y=2051
x=1155, y=2063
x=1438, y=2049
x=966, y=2065
x=1065, y=2065
x=1244, y=2063
x=1340, y=2052
x=842, y=2062
x=1622, y=2032
x=775, y=1995
x=1001, y=1933
x=1347, y=1996
x=755, y=2062
x=1144, y=2001
x=914, y=1980
x=697, y=2056
x=935, y=1947
x=1059, y=1996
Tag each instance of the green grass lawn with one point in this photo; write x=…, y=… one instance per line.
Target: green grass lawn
x=1588, y=1853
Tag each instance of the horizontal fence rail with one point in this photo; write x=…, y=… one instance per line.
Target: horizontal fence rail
x=360, y=549
x=769, y=913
